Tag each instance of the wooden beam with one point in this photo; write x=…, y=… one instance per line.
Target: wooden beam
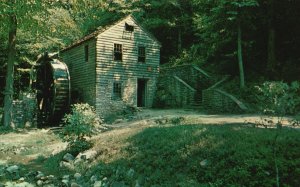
x=234, y=99
x=201, y=71
x=218, y=83
x=184, y=83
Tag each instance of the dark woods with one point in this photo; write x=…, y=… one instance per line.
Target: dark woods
x=201, y=32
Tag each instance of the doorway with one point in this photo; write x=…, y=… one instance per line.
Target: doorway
x=141, y=92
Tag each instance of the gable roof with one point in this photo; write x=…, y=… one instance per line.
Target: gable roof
x=102, y=29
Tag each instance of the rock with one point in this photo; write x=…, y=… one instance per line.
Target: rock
x=66, y=177
x=98, y=184
x=39, y=175
x=49, y=185
x=88, y=155
x=39, y=183
x=93, y=178
x=78, y=160
x=77, y=176
x=204, y=163
x=12, y=169
x=28, y=124
x=66, y=165
x=68, y=157
x=51, y=177
x=74, y=184
x=65, y=182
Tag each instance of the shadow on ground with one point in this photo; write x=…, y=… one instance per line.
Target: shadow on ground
x=205, y=155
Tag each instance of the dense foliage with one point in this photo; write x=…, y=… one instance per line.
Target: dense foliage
x=278, y=98
x=243, y=38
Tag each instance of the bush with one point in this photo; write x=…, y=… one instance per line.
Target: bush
x=79, y=125
x=278, y=98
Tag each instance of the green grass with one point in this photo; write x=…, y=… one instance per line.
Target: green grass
x=235, y=156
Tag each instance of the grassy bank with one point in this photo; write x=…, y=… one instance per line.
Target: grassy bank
x=198, y=155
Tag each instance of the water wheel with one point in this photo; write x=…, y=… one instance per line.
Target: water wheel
x=53, y=89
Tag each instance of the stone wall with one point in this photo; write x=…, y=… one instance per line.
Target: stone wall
x=24, y=111
x=218, y=101
x=181, y=86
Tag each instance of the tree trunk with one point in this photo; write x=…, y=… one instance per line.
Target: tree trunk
x=240, y=57
x=179, y=44
x=271, y=61
x=8, y=93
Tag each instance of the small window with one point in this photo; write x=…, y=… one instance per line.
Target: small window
x=129, y=28
x=141, y=54
x=86, y=53
x=117, y=91
x=118, y=52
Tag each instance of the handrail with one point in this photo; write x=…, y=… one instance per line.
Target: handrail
x=184, y=83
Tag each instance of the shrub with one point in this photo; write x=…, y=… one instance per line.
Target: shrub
x=278, y=98
x=79, y=125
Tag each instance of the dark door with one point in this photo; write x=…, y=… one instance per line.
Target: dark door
x=141, y=92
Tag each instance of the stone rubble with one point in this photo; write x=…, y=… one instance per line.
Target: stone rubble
x=77, y=179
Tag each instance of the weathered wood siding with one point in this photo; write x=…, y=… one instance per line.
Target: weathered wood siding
x=82, y=72
x=127, y=71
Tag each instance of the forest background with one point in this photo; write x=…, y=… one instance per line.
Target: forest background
x=250, y=40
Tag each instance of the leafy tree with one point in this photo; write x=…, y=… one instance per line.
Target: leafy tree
x=219, y=22
x=26, y=19
x=170, y=21
x=10, y=63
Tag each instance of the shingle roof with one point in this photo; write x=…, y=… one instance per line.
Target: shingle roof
x=102, y=29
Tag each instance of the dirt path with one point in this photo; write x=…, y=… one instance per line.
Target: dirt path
x=24, y=146
x=27, y=145
x=196, y=117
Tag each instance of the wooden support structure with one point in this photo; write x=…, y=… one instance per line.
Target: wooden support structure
x=52, y=84
x=184, y=83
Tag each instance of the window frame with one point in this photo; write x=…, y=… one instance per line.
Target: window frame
x=118, y=50
x=128, y=27
x=141, y=54
x=117, y=91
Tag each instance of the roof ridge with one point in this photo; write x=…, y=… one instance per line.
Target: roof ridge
x=101, y=29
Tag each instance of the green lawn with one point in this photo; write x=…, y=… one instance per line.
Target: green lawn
x=206, y=155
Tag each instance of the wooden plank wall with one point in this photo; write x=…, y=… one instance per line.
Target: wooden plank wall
x=129, y=70
x=82, y=73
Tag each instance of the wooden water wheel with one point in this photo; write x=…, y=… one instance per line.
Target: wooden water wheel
x=53, y=89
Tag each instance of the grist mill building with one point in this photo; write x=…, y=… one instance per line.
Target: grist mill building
x=114, y=66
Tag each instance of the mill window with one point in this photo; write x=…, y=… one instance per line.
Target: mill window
x=129, y=28
x=117, y=91
x=118, y=52
x=141, y=54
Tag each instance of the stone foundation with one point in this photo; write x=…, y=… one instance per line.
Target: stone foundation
x=181, y=86
x=218, y=101
x=24, y=112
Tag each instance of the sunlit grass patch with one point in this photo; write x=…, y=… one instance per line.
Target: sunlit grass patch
x=195, y=155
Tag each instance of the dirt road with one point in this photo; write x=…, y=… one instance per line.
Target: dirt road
x=24, y=146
